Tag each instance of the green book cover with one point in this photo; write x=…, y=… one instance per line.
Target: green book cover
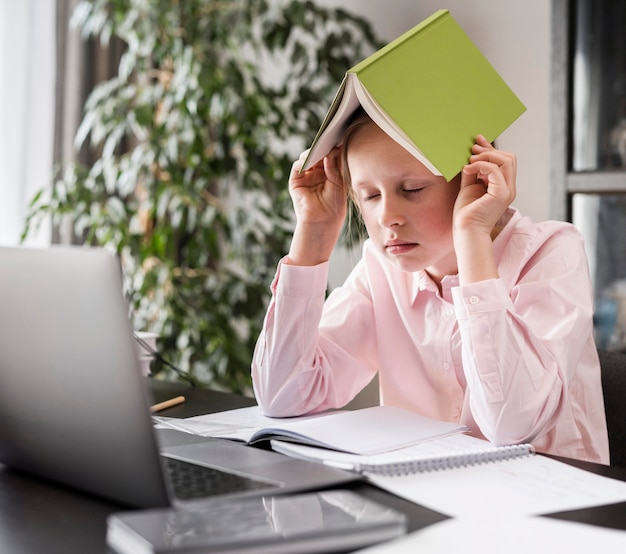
x=434, y=87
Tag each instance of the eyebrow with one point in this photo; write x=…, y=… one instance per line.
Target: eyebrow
x=399, y=180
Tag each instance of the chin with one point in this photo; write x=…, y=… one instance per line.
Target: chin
x=405, y=265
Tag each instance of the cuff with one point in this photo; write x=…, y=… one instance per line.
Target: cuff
x=296, y=280
x=484, y=296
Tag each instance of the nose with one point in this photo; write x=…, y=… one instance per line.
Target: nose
x=390, y=212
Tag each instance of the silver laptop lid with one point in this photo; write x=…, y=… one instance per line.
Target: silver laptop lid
x=69, y=376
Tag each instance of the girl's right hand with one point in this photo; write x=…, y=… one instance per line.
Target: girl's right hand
x=318, y=193
x=320, y=201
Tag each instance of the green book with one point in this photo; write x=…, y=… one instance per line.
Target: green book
x=431, y=90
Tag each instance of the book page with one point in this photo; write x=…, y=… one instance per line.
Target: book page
x=334, y=124
x=387, y=124
x=365, y=431
x=532, y=485
x=238, y=424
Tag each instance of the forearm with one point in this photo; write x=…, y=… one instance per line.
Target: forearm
x=319, y=199
x=513, y=379
x=519, y=357
x=283, y=353
x=312, y=354
x=475, y=258
x=487, y=189
x=312, y=244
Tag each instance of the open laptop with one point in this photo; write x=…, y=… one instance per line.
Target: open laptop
x=74, y=407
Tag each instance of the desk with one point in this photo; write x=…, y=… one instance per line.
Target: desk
x=38, y=516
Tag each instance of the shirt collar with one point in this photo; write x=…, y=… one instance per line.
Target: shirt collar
x=422, y=281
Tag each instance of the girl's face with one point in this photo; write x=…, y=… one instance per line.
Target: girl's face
x=406, y=209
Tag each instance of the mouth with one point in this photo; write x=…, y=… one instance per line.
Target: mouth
x=397, y=247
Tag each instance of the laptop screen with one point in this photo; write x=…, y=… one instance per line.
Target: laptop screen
x=73, y=405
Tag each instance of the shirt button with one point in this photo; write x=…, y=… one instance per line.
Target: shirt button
x=456, y=413
x=445, y=366
x=474, y=300
x=449, y=312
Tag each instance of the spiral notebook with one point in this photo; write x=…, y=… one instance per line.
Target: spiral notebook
x=462, y=476
x=444, y=453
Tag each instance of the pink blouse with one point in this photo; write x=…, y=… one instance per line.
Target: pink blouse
x=512, y=358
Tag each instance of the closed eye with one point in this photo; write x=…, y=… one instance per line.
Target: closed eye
x=411, y=191
x=369, y=197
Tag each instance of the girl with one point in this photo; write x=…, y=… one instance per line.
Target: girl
x=468, y=311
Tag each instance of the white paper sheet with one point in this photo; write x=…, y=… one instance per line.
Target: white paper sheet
x=506, y=535
x=524, y=486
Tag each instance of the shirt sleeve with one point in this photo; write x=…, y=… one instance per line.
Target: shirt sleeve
x=522, y=341
x=313, y=354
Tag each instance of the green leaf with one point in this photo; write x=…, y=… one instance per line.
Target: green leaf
x=193, y=140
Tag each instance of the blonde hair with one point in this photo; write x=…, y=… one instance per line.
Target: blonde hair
x=358, y=122
x=355, y=227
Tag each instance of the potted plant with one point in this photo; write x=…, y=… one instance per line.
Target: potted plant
x=195, y=136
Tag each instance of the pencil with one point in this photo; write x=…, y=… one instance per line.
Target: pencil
x=167, y=404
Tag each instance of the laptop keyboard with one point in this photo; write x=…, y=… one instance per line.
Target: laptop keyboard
x=190, y=481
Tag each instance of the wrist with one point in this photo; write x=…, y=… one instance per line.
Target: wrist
x=473, y=239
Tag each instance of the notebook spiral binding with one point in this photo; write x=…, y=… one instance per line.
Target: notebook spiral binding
x=436, y=463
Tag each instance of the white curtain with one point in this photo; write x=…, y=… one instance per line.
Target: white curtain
x=27, y=87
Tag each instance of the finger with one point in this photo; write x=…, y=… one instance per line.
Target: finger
x=310, y=177
x=485, y=172
x=506, y=161
x=296, y=166
x=491, y=176
x=331, y=166
x=489, y=150
x=483, y=150
x=483, y=143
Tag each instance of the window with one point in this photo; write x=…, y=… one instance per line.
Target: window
x=596, y=153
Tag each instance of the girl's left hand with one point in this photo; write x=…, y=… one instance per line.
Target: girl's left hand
x=487, y=188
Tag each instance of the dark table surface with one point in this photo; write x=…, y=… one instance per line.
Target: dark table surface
x=39, y=516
